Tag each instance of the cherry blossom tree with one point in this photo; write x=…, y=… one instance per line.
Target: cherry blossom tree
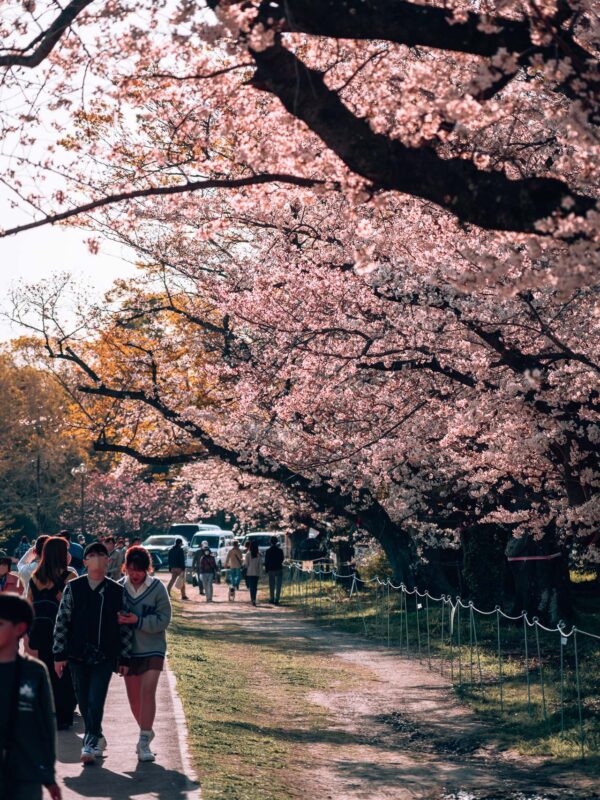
x=370, y=242
x=126, y=501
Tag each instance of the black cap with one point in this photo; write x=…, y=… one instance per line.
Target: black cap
x=95, y=547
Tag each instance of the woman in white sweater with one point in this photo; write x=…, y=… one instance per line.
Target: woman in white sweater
x=148, y=610
x=254, y=569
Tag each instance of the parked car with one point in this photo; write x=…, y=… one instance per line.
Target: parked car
x=160, y=544
x=217, y=540
x=157, y=561
x=187, y=530
x=263, y=539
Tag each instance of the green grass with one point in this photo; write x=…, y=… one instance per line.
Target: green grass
x=246, y=703
x=497, y=689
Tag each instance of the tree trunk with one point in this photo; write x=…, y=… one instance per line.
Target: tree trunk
x=395, y=542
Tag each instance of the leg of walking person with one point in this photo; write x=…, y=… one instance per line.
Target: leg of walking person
x=205, y=586
x=100, y=675
x=149, y=682
x=272, y=576
x=278, y=583
x=133, y=686
x=80, y=674
x=182, y=584
x=253, y=587
x=236, y=575
x=174, y=575
x=209, y=588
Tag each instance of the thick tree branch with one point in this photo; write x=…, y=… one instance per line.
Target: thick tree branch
x=487, y=199
x=46, y=40
x=410, y=24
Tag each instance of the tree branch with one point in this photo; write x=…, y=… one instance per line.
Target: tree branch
x=47, y=39
x=487, y=199
x=160, y=191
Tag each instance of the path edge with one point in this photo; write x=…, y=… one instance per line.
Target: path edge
x=181, y=730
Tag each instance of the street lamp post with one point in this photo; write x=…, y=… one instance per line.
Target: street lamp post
x=81, y=470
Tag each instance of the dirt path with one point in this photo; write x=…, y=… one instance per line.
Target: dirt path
x=394, y=729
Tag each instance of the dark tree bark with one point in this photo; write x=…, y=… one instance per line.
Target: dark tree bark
x=487, y=199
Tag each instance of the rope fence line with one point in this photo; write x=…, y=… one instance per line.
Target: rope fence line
x=514, y=663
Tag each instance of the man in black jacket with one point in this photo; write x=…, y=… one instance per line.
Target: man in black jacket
x=87, y=634
x=177, y=567
x=274, y=569
x=27, y=722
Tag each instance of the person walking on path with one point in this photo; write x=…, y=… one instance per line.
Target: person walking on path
x=116, y=557
x=88, y=636
x=46, y=588
x=254, y=569
x=274, y=568
x=8, y=581
x=29, y=562
x=234, y=563
x=208, y=570
x=75, y=551
x=196, y=565
x=177, y=567
x=147, y=609
x=27, y=732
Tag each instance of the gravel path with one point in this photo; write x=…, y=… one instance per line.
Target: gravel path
x=399, y=732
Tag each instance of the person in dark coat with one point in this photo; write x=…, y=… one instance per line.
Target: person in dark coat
x=274, y=568
x=177, y=567
x=27, y=728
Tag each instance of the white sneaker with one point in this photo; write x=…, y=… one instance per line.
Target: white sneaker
x=143, y=749
x=100, y=747
x=87, y=755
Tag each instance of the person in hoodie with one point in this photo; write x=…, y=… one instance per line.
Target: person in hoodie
x=88, y=637
x=27, y=725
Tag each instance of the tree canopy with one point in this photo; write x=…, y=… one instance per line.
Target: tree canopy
x=369, y=239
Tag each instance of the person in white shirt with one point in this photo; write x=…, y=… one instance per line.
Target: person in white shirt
x=29, y=562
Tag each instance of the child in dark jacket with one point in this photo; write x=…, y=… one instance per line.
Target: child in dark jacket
x=27, y=724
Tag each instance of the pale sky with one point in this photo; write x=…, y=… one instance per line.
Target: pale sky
x=40, y=253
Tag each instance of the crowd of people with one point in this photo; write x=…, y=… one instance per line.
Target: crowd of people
x=71, y=617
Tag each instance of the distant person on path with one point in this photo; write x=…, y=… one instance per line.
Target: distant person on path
x=29, y=561
x=88, y=636
x=254, y=569
x=75, y=551
x=234, y=563
x=274, y=568
x=9, y=582
x=27, y=732
x=116, y=557
x=22, y=548
x=177, y=567
x=46, y=588
x=196, y=565
x=147, y=610
x=208, y=570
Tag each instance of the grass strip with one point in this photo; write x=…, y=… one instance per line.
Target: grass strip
x=245, y=697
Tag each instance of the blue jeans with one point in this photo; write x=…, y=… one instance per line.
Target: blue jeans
x=235, y=576
x=91, y=687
